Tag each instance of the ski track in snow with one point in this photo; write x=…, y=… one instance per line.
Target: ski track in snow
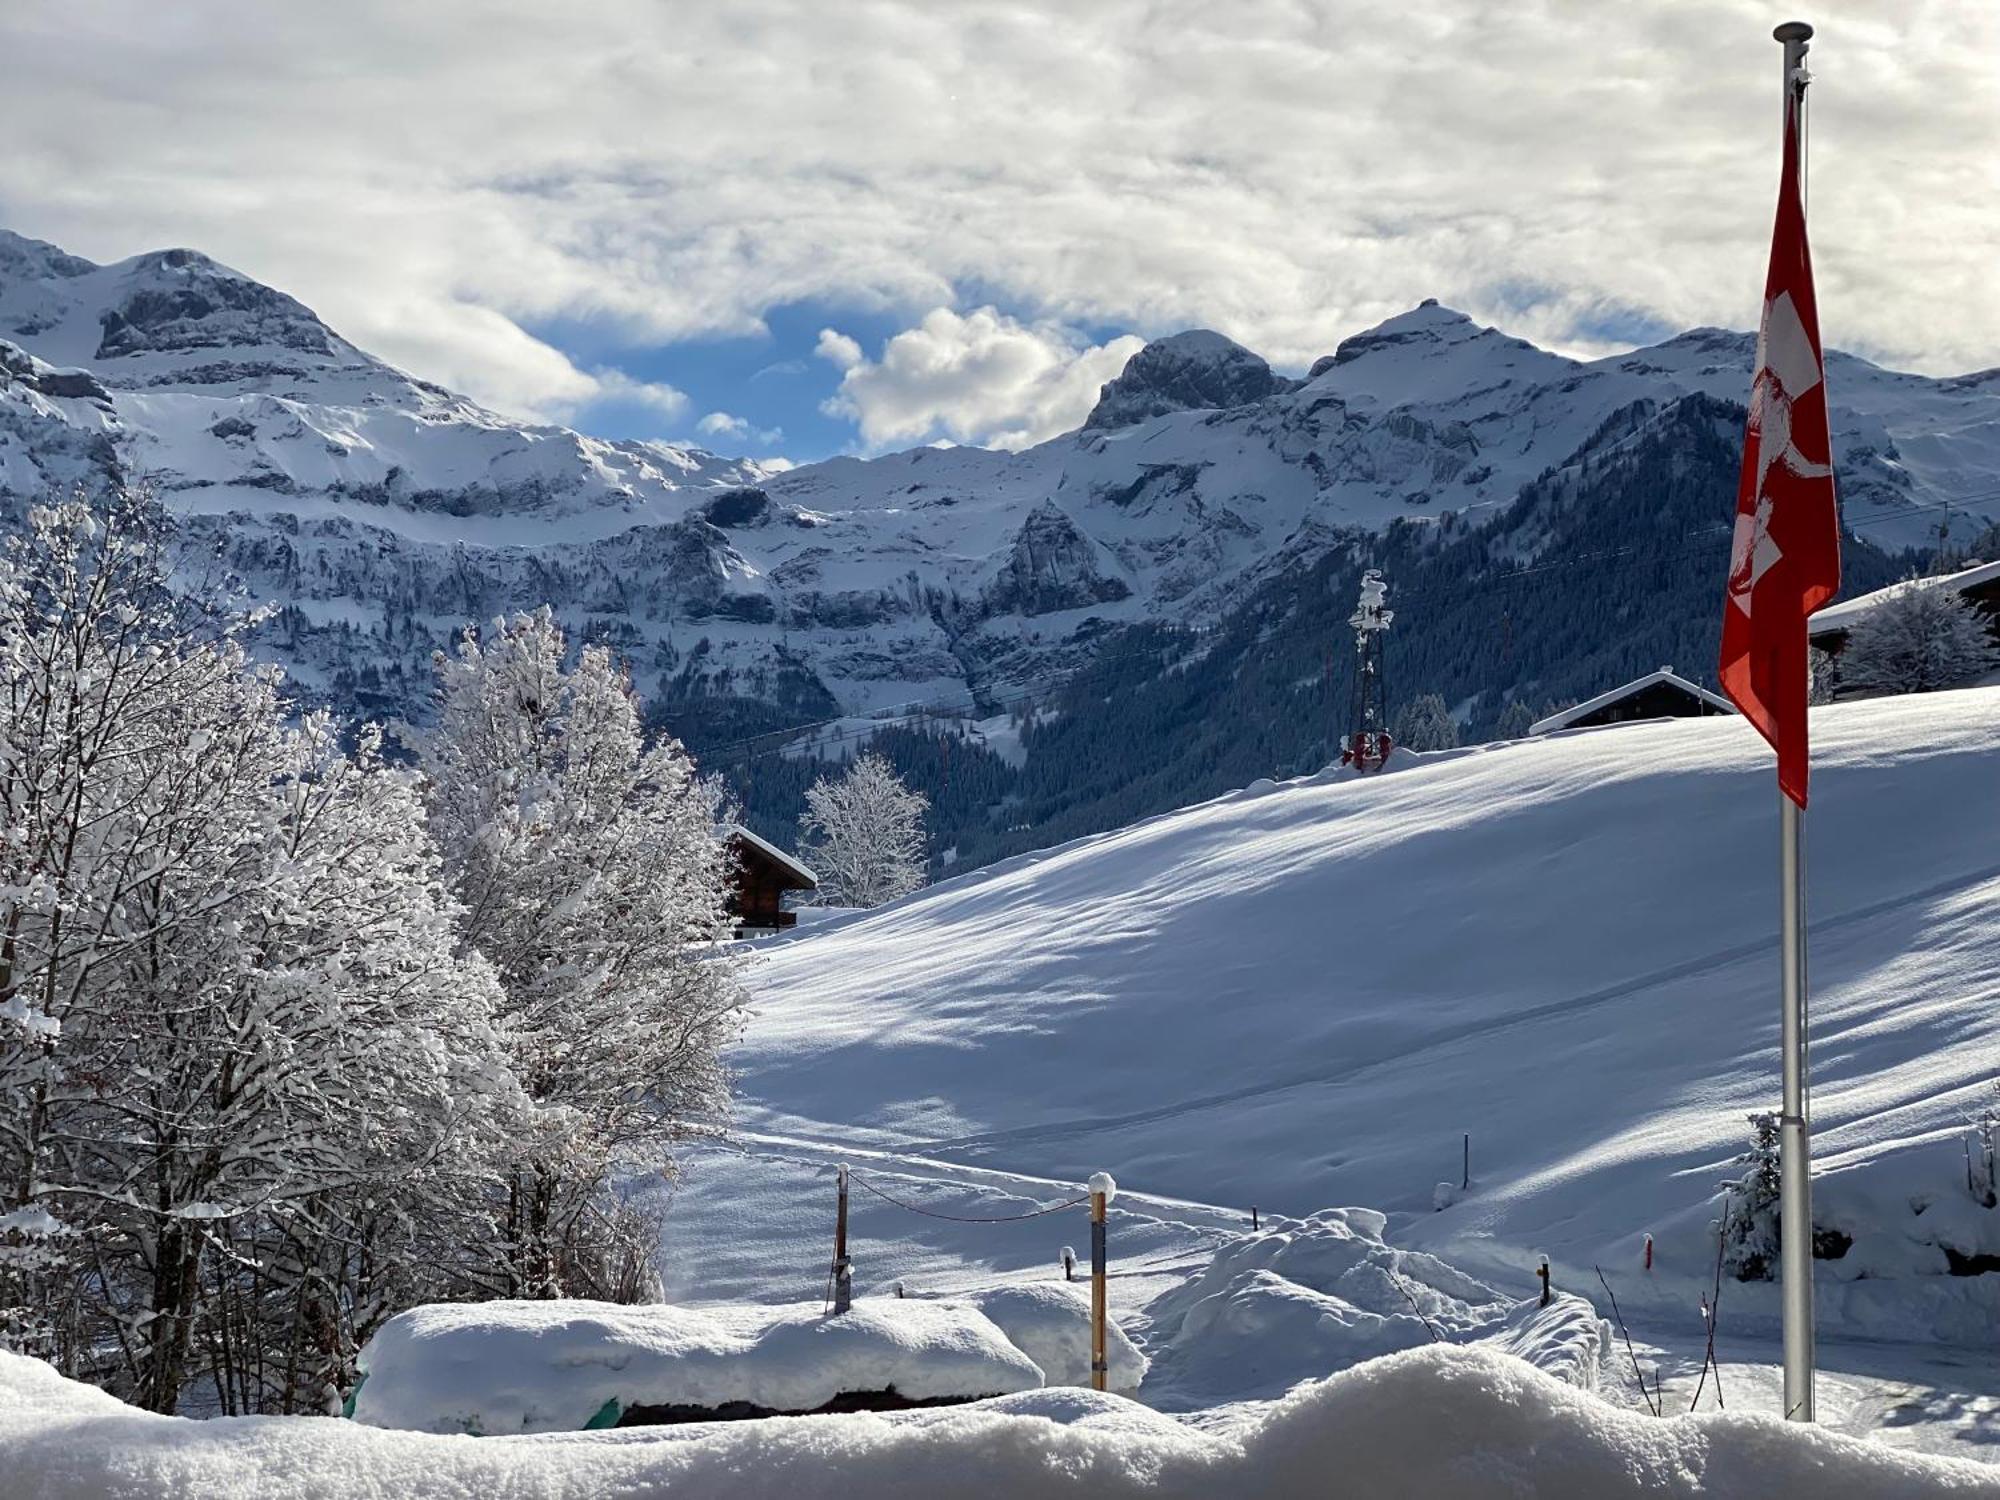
x=1608, y=994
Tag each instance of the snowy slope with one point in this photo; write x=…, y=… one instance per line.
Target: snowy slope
x=1301, y=995
x=389, y=510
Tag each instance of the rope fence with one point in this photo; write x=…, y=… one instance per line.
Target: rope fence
x=1053, y=1208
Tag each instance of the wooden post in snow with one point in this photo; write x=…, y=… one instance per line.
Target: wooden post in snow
x=843, y=1268
x=1102, y=1189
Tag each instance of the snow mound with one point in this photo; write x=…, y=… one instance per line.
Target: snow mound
x=1473, y=1425
x=1566, y=1339
x=1305, y=1297
x=512, y=1367
x=1050, y=1323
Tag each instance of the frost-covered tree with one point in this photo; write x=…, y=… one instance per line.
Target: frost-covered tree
x=591, y=878
x=1425, y=723
x=1750, y=1227
x=1515, y=720
x=1822, y=676
x=1982, y=1151
x=1918, y=640
x=864, y=835
x=228, y=981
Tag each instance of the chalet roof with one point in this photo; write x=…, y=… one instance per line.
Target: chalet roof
x=1590, y=706
x=727, y=831
x=1841, y=616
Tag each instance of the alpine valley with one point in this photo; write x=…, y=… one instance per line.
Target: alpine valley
x=1127, y=618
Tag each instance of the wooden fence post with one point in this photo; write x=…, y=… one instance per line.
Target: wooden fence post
x=843, y=1268
x=1102, y=1189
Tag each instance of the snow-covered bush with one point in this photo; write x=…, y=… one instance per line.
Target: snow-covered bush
x=591, y=879
x=1750, y=1215
x=1425, y=723
x=864, y=835
x=1918, y=640
x=230, y=1003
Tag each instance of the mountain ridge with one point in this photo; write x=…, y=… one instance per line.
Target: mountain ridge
x=382, y=512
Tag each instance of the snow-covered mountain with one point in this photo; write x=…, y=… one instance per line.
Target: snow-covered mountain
x=384, y=512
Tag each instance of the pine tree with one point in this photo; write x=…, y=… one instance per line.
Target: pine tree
x=1750, y=1231
x=1918, y=640
x=1516, y=720
x=864, y=835
x=591, y=878
x=1425, y=723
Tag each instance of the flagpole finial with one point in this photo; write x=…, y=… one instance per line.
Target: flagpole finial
x=1793, y=31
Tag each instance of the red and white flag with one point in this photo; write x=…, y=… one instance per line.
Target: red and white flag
x=1786, y=560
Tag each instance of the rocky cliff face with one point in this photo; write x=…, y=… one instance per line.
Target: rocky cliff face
x=383, y=512
x=1193, y=371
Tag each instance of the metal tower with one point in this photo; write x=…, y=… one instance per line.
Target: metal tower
x=1368, y=743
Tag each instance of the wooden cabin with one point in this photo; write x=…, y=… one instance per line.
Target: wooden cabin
x=760, y=875
x=1657, y=695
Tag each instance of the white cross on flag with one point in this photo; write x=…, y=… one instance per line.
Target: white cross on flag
x=1786, y=559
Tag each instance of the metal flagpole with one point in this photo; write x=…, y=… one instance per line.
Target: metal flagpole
x=1794, y=1146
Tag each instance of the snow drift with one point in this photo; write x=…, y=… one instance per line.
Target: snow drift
x=1437, y=1421
x=1050, y=1323
x=1300, y=1299
x=513, y=1367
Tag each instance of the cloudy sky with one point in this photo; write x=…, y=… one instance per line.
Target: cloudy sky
x=805, y=226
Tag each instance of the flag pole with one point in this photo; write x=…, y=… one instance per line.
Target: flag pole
x=1794, y=1147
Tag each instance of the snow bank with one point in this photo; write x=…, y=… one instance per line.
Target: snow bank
x=512, y=1367
x=1473, y=1425
x=1303, y=1298
x=1566, y=1339
x=1050, y=1323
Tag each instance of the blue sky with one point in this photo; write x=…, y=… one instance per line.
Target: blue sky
x=776, y=386
x=772, y=381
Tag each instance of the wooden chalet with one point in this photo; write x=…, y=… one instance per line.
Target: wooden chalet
x=760, y=875
x=1657, y=695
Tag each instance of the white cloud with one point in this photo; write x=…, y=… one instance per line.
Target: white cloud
x=434, y=178
x=978, y=378
x=837, y=349
x=722, y=424
x=611, y=384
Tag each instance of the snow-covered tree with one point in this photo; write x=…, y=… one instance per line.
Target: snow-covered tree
x=228, y=980
x=591, y=878
x=1425, y=723
x=1750, y=1226
x=1918, y=640
x=1515, y=720
x=864, y=835
x=1982, y=1150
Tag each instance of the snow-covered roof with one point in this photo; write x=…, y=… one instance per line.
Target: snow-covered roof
x=1842, y=616
x=727, y=831
x=1590, y=706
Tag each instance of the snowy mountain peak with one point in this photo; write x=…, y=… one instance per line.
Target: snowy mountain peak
x=1196, y=370
x=1432, y=353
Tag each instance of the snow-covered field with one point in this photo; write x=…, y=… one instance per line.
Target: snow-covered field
x=1306, y=994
